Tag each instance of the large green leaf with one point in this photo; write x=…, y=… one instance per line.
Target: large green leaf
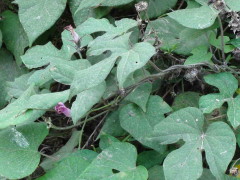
x=227, y=85
x=233, y=4
x=92, y=76
x=85, y=101
x=156, y=173
x=112, y=125
x=186, y=99
x=174, y=36
x=39, y=56
x=19, y=154
x=218, y=142
x=80, y=16
x=140, y=94
x=71, y=166
x=40, y=77
x=151, y=158
x=119, y=156
x=29, y=107
x=106, y=141
x=116, y=40
x=17, y=87
x=64, y=72
x=93, y=25
x=157, y=8
x=14, y=35
x=200, y=18
x=217, y=42
x=200, y=55
x=94, y=3
x=140, y=124
x=133, y=59
x=8, y=71
x=37, y=16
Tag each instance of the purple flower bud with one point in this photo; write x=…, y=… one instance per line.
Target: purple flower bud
x=75, y=36
x=60, y=108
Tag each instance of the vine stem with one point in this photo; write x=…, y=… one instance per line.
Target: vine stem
x=79, y=123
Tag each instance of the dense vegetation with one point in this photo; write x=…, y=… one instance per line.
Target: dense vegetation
x=119, y=89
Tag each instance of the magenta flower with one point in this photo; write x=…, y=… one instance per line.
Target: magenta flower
x=60, y=108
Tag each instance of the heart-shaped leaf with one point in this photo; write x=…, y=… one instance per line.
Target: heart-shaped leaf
x=140, y=124
x=200, y=18
x=19, y=154
x=227, y=85
x=38, y=16
x=218, y=142
x=119, y=156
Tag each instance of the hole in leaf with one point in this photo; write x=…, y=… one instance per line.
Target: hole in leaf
x=115, y=171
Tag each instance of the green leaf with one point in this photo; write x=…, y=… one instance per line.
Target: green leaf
x=200, y=18
x=157, y=8
x=86, y=100
x=175, y=37
x=133, y=59
x=92, y=76
x=207, y=175
x=94, y=3
x=112, y=125
x=156, y=173
x=112, y=85
x=185, y=99
x=40, y=77
x=118, y=45
x=38, y=16
x=140, y=124
x=19, y=154
x=71, y=166
x=227, y=85
x=16, y=88
x=218, y=142
x=225, y=82
x=119, y=156
x=217, y=42
x=8, y=71
x=106, y=141
x=140, y=95
x=235, y=42
x=46, y=101
x=64, y=72
x=200, y=55
x=39, y=56
x=217, y=157
x=14, y=35
x=233, y=4
x=151, y=158
x=29, y=107
x=92, y=25
x=80, y=16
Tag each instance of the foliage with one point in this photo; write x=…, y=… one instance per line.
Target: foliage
x=151, y=89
